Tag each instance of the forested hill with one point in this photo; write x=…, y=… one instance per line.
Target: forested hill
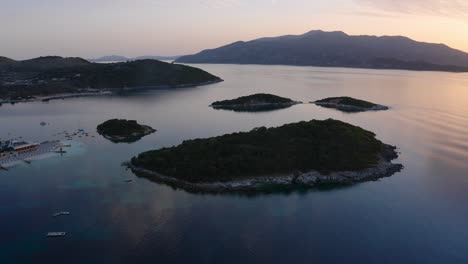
x=51, y=75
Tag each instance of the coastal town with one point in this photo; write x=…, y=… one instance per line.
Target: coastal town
x=13, y=152
x=17, y=150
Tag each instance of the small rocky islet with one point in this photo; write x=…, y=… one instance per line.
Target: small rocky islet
x=123, y=131
x=349, y=104
x=255, y=103
x=304, y=154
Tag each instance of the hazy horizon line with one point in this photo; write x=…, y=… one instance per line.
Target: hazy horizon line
x=280, y=35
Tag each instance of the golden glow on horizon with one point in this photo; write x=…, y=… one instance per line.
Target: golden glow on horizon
x=162, y=27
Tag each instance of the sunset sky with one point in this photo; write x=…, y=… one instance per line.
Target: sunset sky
x=91, y=28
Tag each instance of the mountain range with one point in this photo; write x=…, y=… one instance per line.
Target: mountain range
x=337, y=49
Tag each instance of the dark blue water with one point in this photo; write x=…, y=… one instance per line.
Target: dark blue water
x=416, y=216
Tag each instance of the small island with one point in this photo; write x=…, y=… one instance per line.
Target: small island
x=349, y=104
x=120, y=130
x=301, y=154
x=255, y=103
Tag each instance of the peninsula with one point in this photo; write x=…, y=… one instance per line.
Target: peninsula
x=121, y=130
x=47, y=77
x=349, y=104
x=299, y=154
x=255, y=103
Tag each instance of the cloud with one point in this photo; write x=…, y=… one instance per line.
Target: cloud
x=451, y=8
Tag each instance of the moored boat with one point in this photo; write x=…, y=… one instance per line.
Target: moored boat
x=56, y=234
x=61, y=213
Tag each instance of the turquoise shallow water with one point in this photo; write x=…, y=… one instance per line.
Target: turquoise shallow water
x=416, y=216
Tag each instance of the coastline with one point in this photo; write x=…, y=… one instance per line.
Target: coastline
x=310, y=179
x=103, y=92
x=162, y=87
x=56, y=97
x=325, y=66
x=255, y=106
x=351, y=108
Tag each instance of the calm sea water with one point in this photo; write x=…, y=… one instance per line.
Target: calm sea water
x=416, y=216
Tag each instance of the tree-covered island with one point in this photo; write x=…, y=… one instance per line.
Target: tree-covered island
x=349, y=104
x=299, y=154
x=255, y=103
x=121, y=130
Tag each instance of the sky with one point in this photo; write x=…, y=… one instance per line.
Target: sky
x=94, y=28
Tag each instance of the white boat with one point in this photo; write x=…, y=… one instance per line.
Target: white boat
x=56, y=234
x=61, y=151
x=61, y=213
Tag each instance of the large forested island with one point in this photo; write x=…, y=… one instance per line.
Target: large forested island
x=299, y=154
x=255, y=103
x=121, y=130
x=46, y=76
x=337, y=49
x=349, y=104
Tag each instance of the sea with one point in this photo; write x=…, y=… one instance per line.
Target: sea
x=415, y=216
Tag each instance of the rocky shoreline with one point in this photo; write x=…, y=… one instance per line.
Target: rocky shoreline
x=104, y=92
x=55, y=97
x=130, y=138
x=385, y=168
x=351, y=108
x=255, y=106
x=162, y=87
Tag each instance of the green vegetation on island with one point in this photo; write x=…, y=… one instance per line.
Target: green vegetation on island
x=349, y=104
x=323, y=146
x=255, y=102
x=121, y=130
x=46, y=76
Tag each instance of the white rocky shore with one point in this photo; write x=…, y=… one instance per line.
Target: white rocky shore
x=385, y=168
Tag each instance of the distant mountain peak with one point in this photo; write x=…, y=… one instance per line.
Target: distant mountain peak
x=337, y=49
x=318, y=32
x=110, y=58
